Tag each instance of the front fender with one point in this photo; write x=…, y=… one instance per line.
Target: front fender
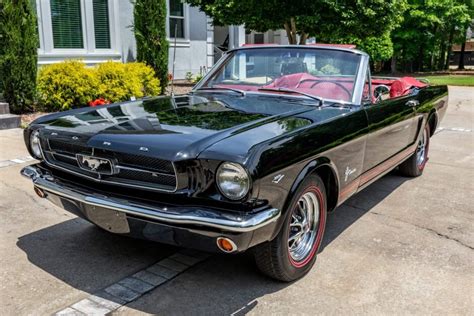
x=278, y=188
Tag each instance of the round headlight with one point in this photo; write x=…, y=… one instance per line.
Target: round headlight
x=232, y=180
x=35, y=144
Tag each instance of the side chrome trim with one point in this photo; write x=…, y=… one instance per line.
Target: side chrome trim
x=179, y=215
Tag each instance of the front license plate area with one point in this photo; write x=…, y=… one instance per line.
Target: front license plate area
x=113, y=221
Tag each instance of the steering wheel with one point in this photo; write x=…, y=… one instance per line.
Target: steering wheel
x=380, y=91
x=349, y=94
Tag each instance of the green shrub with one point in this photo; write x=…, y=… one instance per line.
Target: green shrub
x=189, y=76
x=330, y=70
x=150, y=34
x=18, y=53
x=116, y=84
x=119, y=82
x=198, y=78
x=65, y=85
x=71, y=84
x=150, y=85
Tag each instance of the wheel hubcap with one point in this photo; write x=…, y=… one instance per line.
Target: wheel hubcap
x=303, y=226
x=421, y=149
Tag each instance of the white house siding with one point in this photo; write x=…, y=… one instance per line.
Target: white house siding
x=128, y=47
x=192, y=51
x=195, y=52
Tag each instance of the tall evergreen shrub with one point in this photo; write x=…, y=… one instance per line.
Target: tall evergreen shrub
x=150, y=35
x=18, y=53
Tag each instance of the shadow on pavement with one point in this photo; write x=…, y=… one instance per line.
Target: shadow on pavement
x=90, y=259
x=86, y=257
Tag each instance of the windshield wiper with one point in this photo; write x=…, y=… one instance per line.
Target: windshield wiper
x=242, y=92
x=321, y=100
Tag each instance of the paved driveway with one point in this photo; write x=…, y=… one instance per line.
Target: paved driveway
x=401, y=246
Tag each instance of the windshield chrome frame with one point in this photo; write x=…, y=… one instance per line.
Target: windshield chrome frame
x=359, y=78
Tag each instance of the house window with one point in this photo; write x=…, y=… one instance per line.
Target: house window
x=77, y=28
x=176, y=19
x=101, y=24
x=66, y=23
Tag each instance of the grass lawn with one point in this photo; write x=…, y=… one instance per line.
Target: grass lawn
x=451, y=80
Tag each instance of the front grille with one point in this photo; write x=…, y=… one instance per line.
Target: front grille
x=131, y=170
x=68, y=147
x=144, y=162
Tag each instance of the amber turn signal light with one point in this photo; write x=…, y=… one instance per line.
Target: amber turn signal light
x=226, y=245
x=39, y=192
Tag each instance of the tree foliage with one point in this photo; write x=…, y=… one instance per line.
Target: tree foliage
x=325, y=19
x=150, y=35
x=429, y=29
x=420, y=32
x=18, y=53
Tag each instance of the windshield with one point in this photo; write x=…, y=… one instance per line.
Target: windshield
x=323, y=73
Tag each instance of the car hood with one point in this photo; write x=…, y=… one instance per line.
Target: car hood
x=179, y=128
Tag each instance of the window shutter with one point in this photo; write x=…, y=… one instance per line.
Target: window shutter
x=66, y=23
x=101, y=24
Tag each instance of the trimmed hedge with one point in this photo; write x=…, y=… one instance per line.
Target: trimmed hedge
x=71, y=84
x=18, y=54
x=150, y=18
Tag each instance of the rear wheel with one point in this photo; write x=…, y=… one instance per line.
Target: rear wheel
x=414, y=166
x=293, y=252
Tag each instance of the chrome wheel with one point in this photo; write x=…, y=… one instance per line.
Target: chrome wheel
x=421, y=149
x=303, y=226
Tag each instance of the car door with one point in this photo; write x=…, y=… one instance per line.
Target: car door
x=392, y=128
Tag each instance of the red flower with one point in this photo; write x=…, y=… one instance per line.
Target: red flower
x=99, y=101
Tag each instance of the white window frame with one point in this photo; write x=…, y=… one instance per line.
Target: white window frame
x=180, y=41
x=47, y=53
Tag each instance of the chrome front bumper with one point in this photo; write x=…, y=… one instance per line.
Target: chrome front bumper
x=175, y=215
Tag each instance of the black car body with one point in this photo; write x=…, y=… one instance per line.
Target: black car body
x=147, y=168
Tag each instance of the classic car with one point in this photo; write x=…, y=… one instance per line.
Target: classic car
x=254, y=157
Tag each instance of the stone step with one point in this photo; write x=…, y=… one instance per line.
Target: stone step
x=4, y=108
x=8, y=121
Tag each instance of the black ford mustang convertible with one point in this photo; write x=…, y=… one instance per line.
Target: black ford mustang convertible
x=254, y=157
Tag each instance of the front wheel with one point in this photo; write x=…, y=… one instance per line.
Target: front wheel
x=293, y=252
x=414, y=166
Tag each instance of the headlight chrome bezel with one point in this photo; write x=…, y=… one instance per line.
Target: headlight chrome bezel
x=230, y=167
x=35, y=145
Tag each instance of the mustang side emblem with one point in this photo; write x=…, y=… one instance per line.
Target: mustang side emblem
x=95, y=164
x=278, y=178
x=348, y=172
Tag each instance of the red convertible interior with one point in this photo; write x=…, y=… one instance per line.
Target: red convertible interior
x=398, y=86
x=332, y=87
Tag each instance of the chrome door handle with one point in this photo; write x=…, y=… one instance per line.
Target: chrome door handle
x=412, y=103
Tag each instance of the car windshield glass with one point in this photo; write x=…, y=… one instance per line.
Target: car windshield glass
x=324, y=73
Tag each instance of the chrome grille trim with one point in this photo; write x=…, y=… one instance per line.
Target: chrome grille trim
x=144, y=170
x=100, y=180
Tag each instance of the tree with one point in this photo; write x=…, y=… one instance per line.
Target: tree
x=18, y=53
x=304, y=18
x=457, y=20
x=470, y=24
x=429, y=28
x=150, y=35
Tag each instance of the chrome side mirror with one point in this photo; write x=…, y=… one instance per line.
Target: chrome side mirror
x=381, y=92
